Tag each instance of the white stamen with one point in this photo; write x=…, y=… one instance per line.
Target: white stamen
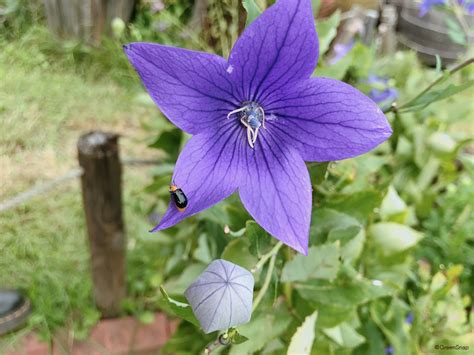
x=249, y=136
x=235, y=111
x=244, y=119
x=263, y=117
x=255, y=135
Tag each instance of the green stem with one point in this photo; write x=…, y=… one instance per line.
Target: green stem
x=266, y=283
x=267, y=256
x=395, y=108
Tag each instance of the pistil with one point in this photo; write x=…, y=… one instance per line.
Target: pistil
x=252, y=116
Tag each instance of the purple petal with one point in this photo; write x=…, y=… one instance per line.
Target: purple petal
x=191, y=88
x=470, y=8
x=221, y=297
x=426, y=6
x=279, y=47
x=207, y=172
x=328, y=120
x=277, y=191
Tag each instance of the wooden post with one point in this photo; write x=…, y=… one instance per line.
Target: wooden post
x=102, y=198
x=86, y=19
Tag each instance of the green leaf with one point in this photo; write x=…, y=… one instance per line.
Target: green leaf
x=169, y=142
x=435, y=95
x=428, y=173
x=455, y=32
x=176, y=308
x=260, y=240
x=329, y=315
x=260, y=330
x=337, y=70
x=359, y=204
x=202, y=253
x=217, y=214
x=392, y=205
x=186, y=340
x=253, y=11
x=318, y=172
x=344, y=335
x=342, y=295
x=302, y=341
x=177, y=285
x=391, y=320
x=375, y=344
x=442, y=143
x=351, y=240
x=328, y=219
x=237, y=215
x=391, y=238
x=237, y=252
x=322, y=262
x=327, y=30
x=238, y=338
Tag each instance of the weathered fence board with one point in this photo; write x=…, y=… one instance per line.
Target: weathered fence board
x=86, y=19
x=102, y=198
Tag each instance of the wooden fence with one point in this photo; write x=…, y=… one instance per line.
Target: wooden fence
x=87, y=20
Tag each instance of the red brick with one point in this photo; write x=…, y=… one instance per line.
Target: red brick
x=30, y=345
x=117, y=336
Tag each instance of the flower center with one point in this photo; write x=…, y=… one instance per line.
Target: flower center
x=252, y=117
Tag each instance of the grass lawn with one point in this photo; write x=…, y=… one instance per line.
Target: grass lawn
x=44, y=107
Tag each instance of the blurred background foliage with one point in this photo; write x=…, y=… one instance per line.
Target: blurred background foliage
x=390, y=267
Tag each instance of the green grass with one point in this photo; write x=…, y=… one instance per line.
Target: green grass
x=45, y=252
x=45, y=104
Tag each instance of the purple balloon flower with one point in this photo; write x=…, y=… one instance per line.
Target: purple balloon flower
x=256, y=118
x=469, y=7
x=340, y=51
x=426, y=6
x=221, y=297
x=381, y=92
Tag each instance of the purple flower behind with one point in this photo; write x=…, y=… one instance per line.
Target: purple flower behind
x=381, y=93
x=409, y=319
x=469, y=6
x=426, y=6
x=157, y=6
x=389, y=350
x=256, y=118
x=340, y=51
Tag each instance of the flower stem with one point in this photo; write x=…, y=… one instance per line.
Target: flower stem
x=267, y=256
x=395, y=108
x=266, y=283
